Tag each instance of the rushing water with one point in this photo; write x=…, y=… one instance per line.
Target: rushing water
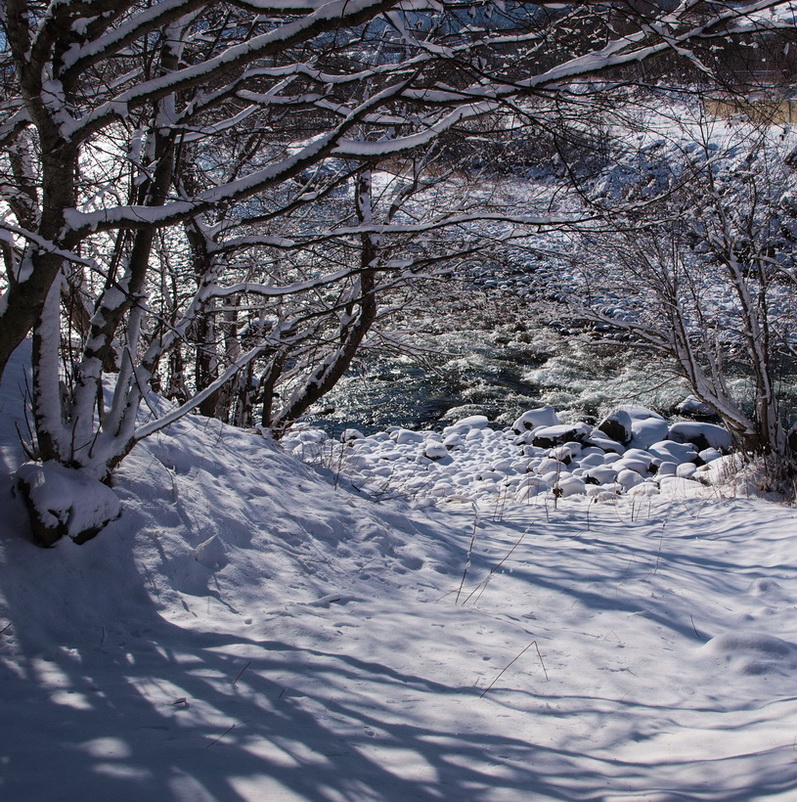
x=496, y=367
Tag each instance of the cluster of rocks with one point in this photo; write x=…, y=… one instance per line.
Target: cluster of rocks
x=633, y=450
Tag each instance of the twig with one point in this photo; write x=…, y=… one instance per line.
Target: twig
x=229, y=729
x=544, y=669
x=241, y=672
x=658, y=553
x=483, y=583
x=7, y=626
x=515, y=658
x=470, y=552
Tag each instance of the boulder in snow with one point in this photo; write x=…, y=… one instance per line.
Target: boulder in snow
x=471, y=422
x=693, y=407
x=569, y=486
x=435, y=451
x=647, y=431
x=617, y=426
x=605, y=443
x=452, y=441
x=702, y=435
x=552, y=436
x=404, y=436
x=627, y=479
x=544, y=416
x=670, y=451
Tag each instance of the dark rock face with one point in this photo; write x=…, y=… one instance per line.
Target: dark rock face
x=617, y=426
x=551, y=436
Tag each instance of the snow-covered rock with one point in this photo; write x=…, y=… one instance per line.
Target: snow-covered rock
x=637, y=464
x=709, y=454
x=645, y=489
x=702, y=435
x=551, y=436
x=627, y=478
x=667, y=468
x=602, y=474
x=544, y=416
x=693, y=406
x=471, y=422
x=647, y=431
x=452, y=440
x=569, y=486
x=617, y=426
x=435, y=451
x=671, y=451
x=405, y=436
x=603, y=442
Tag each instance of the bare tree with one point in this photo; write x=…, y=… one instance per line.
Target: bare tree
x=152, y=151
x=705, y=276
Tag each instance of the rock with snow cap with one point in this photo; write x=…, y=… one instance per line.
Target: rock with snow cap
x=702, y=435
x=640, y=466
x=649, y=430
x=569, y=486
x=641, y=413
x=709, y=455
x=692, y=406
x=435, y=451
x=452, y=441
x=670, y=450
x=471, y=422
x=543, y=416
x=552, y=436
x=405, y=436
x=617, y=426
x=605, y=443
x=601, y=474
x=627, y=479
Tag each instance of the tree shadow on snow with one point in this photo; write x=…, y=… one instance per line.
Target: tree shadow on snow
x=101, y=705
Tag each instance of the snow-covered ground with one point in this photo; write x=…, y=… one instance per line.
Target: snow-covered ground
x=252, y=629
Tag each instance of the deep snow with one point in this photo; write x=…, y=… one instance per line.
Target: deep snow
x=252, y=629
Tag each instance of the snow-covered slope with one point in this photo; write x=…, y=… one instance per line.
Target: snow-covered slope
x=249, y=631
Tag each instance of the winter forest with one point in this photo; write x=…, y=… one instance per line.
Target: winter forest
x=398, y=400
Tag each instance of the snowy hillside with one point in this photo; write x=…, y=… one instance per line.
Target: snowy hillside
x=250, y=629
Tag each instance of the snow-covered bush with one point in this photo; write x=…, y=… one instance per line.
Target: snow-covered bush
x=705, y=276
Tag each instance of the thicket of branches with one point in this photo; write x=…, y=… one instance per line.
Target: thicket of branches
x=705, y=275
x=210, y=199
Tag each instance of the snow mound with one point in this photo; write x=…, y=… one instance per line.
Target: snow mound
x=769, y=590
x=752, y=654
x=66, y=501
